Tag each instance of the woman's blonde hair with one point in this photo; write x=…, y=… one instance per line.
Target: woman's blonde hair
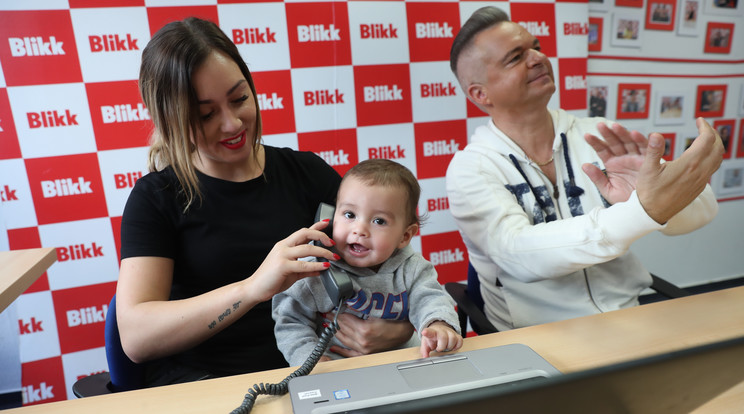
x=165, y=82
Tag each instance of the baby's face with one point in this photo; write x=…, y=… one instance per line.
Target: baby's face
x=370, y=223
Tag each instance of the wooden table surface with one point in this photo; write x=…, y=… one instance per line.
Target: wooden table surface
x=19, y=269
x=570, y=345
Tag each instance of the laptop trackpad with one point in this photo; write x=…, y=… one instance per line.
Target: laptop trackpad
x=439, y=371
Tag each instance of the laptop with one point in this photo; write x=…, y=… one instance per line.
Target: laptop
x=382, y=385
x=675, y=382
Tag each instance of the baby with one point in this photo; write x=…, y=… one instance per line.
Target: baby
x=374, y=223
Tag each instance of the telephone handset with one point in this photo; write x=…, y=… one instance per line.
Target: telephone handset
x=338, y=285
x=336, y=282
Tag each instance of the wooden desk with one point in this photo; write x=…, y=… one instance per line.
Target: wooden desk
x=570, y=346
x=19, y=269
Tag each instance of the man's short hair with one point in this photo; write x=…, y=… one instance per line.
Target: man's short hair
x=481, y=20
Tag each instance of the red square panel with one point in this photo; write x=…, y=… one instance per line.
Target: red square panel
x=120, y=119
x=338, y=148
x=43, y=381
x=318, y=34
x=9, y=147
x=160, y=16
x=81, y=316
x=38, y=47
x=66, y=188
x=383, y=94
x=431, y=30
x=447, y=252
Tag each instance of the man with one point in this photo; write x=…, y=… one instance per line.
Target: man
x=547, y=241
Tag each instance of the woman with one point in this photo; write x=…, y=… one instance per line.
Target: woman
x=211, y=233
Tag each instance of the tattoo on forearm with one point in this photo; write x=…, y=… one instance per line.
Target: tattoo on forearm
x=224, y=315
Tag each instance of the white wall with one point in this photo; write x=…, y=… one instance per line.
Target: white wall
x=711, y=254
x=675, y=61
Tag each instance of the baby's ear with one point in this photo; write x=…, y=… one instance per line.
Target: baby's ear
x=408, y=235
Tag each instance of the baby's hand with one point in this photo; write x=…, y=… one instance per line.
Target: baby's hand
x=439, y=337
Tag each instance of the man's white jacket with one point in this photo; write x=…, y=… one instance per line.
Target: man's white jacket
x=542, y=258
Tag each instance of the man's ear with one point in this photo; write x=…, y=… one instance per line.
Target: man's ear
x=477, y=94
x=408, y=235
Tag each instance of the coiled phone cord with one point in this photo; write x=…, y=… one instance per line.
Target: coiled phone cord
x=282, y=387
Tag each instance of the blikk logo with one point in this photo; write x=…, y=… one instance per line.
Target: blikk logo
x=86, y=316
x=318, y=33
x=575, y=29
x=32, y=326
x=323, y=97
x=575, y=82
x=65, y=187
x=35, y=46
x=537, y=29
x=51, y=119
x=8, y=194
x=447, y=256
x=433, y=30
x=334, y=158
x=124, y=113
x=253, y=36
x=444, y=147
x=378, y=31
x=437, y=204
x=434, y=90
x=30, y=394
x=267, y=103
x=126, y=180
x=79, y=251
x=112, y=43
x=388, y=152
x=382, y=93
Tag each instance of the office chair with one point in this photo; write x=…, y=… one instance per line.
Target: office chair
x=470, y=302
x=123, y=375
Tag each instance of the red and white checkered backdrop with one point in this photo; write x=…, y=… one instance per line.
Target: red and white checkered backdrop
x=347, y=80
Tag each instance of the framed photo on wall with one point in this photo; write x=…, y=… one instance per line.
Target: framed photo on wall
x=660, y=14
x=626, y=30
x=718, y=37
x=669, y=107
x=731, y=182
x=725, y=128
x=598, y=96
x=632, y=100
x=723, y=7
x=669, y=138
x=688, y=18
x=595, y=34
x=710, y=101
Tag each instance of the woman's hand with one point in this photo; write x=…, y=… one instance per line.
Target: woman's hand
x=367, y=336
x=282, y=266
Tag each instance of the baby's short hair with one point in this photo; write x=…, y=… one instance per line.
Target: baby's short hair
x=387, y=173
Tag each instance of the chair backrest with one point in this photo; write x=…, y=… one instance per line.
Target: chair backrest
x=473, y=287
x=125, y=374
